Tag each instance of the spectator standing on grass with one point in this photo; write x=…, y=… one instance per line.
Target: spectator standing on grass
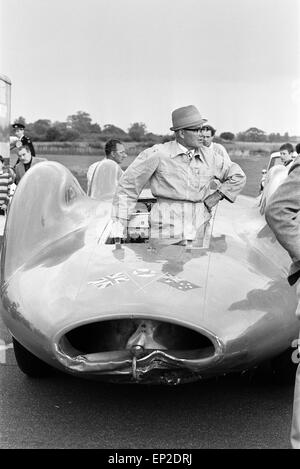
x=21, y=138
x=283, y=216
x=209, y=146
x=287, y=153
x=186, y=182
x=6, y=182
x=114, y=151
x=25, y=162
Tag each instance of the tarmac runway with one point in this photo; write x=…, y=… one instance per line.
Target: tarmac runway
x=66, y=412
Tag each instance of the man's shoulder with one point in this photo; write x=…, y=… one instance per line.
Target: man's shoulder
x=219, y=148
x=19, y=164
x=26, y=140
x=37, y=159
x=160, y=149
x=294, y=166
x=218, y=145
x=93, y=165
x=150, y=151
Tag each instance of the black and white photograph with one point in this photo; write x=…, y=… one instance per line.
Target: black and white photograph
x=149, y=227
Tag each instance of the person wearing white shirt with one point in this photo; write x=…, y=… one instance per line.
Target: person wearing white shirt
x=114, y=151
x=209, y=146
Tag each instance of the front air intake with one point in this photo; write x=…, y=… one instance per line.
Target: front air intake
x=146, y=334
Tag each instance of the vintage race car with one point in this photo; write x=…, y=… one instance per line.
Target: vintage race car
x=275, y=160
x=78, y=300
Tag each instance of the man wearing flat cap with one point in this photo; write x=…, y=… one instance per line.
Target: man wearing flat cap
x=21, y=139
x=186, y=184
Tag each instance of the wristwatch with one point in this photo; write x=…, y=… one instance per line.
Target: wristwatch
x=220, y=194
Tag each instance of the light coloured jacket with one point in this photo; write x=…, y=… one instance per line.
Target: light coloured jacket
x=178, y=176
x=283, y=216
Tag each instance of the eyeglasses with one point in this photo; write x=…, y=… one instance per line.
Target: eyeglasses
x=194, y=130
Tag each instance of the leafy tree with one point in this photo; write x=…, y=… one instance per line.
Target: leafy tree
x=53, y=134
x=286, y=137
x=40, y=127
x=273, y=137
x=63, y=132
x=227, y=136
x=253, y=134
x=111, y=131
x=95, y=128
x=70, y=135
x=81, y=122
x=137, y=131
x=153, y=138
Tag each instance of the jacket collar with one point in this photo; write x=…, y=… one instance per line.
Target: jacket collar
x=178, y=149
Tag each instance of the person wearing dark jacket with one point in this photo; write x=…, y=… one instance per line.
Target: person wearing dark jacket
x=25, y=162
x=283, y=216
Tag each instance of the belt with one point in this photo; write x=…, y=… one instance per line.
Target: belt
x=165, y=199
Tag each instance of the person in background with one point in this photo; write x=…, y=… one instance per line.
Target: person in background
x=6, y=182
x=182, y=178
x=283, y=217
x=114, y=151
x=286, y=153
x=21, y=138
x=25, y=162
x=208, y=145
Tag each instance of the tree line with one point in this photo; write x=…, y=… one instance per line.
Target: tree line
x=79, y=127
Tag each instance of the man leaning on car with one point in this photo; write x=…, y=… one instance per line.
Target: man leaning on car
x=186, y=182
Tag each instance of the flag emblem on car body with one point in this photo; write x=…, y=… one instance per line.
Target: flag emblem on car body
x=144, y=272
x=178, y=283
x=109, y=280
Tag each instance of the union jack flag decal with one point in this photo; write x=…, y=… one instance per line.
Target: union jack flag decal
x=109, y=280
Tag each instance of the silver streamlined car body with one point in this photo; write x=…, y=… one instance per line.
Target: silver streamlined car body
x=75, y=300
x=274, y=160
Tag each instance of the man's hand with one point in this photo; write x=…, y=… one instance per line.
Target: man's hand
x=212, y=200
x=119, y=228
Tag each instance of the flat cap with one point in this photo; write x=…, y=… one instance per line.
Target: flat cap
x=17, y=125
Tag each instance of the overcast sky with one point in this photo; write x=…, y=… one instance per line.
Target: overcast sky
x=125, y=61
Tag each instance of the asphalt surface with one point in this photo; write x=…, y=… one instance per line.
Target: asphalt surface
x=66, y=412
